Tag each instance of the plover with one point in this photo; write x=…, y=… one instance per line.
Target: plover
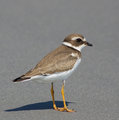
x=58, y=65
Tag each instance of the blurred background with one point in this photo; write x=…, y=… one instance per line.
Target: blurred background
x=29, y=29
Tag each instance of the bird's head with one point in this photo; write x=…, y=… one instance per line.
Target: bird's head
x=76, y=41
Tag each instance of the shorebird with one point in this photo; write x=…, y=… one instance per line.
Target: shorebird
x=58, y=65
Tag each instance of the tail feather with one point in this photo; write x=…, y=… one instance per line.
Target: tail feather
x=21, y=79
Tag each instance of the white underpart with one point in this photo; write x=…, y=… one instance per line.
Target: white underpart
x=56, y=76
x=79, y=48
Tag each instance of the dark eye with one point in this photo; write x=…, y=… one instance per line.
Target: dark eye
x=78, y=40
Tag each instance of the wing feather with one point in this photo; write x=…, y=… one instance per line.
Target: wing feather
x=56, y=63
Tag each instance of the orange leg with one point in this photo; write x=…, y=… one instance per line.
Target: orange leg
x=54, y=105
x=53, y=99
x=65, y=107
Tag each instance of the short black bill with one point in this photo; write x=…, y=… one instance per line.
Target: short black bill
x=89, y=44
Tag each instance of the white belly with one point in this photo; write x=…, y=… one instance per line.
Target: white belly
x=56, y=76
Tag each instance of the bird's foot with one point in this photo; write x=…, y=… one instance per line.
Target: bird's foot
x=63, y=109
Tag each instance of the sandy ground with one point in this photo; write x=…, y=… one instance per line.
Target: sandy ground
x=29, y=29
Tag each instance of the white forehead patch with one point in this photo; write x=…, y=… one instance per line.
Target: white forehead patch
x=74, y=38
x=84, y=39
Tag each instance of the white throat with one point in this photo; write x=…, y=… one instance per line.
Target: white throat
x=79, y=48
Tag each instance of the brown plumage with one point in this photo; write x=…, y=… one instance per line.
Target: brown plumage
x=74, y=42
x=58, y=65
x=54, y=62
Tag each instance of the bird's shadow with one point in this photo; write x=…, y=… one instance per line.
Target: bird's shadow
x=38, y=106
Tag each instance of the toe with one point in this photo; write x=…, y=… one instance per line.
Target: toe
x=65, y=109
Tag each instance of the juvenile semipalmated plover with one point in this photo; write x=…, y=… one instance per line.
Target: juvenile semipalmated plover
x=58, y=65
